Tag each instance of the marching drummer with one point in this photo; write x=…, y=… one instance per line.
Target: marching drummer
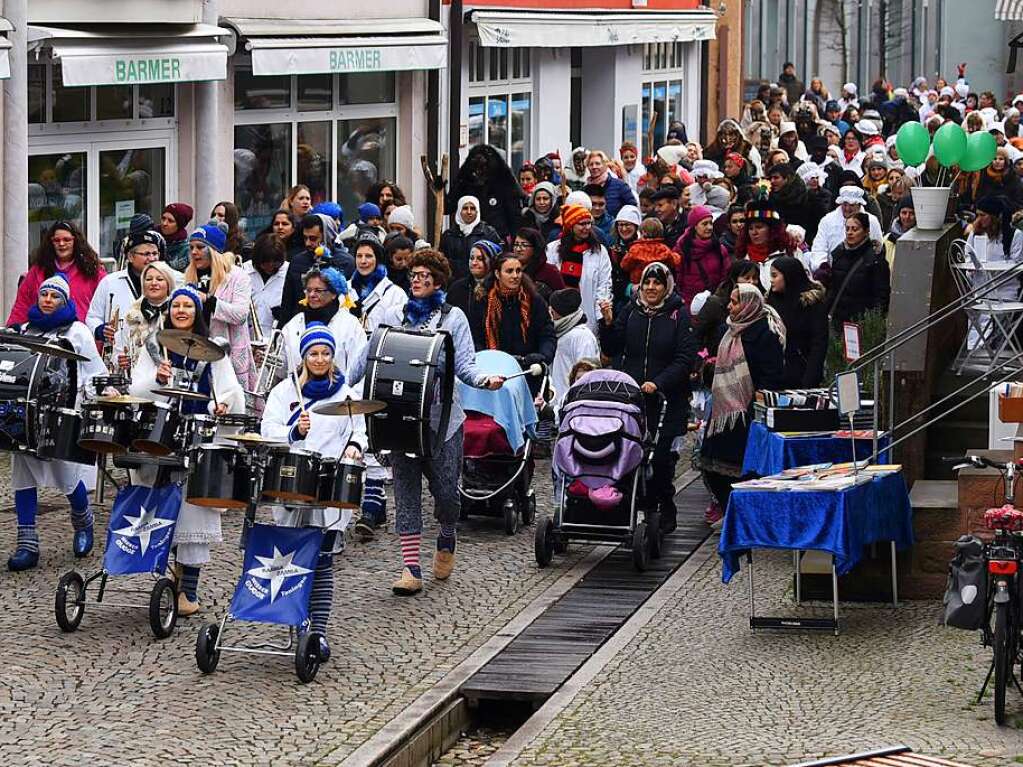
x=145, y=317
x=377, y=296
x=197, y=527
x=54, y=315
x=427, y=310
x=288, y=418
x=327, y=301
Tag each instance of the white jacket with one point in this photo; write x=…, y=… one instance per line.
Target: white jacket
x=266, y=296
x=385, y=299
x=831, y=232
x=114, y=291
x=578, y=343
x=223, y=379
x=348, y=335
x=595, y=283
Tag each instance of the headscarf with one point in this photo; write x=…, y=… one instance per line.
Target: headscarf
x=466, y=227
x=732, y=389
x=543, y=186
x=662, y=274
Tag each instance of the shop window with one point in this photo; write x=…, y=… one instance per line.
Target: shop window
x=131, y=181
x=36, y=93
x=315, y=93
x=661, y=57
x=500, y=100
x=49, y=101
x=663, y=97
x=114, y=102
x=262, y=171
x=267, y=92
x=477, y=126
x=313, y=158
x=367, y=88
x=156, y=100
x=521, y=115
x=56, y=192
x=70, y=105
x=367, y=153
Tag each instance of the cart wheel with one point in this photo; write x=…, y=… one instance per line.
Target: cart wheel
x=163, y=608
x=307, y=656
x=640, y=547
x=511, y=517
x=653, y=521
x=69, y=603
x=544, y=541
x=529, y=509
x=207, y=656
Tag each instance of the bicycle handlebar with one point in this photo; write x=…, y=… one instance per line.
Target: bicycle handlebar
x=979, y=461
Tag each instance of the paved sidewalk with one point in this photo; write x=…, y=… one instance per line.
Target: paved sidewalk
x=112, y=695
x=695, y=687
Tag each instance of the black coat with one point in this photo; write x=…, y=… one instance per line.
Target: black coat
x=545, y=228
x=806, y=336
x=659, y=348
x=456, y=246
x=540, y=342
x=798, y=206
x=869, y=287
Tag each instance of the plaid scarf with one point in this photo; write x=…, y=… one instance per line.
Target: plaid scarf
x=495, y=311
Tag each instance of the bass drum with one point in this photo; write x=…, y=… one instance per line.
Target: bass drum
x=59, y=431
x=413, y=373
x=28, y=380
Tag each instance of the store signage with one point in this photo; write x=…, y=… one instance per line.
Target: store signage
x=144, y=70
x=299, y=60
x=187, y=62
x=355, y=60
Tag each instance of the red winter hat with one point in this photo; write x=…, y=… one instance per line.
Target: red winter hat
x=182, y=213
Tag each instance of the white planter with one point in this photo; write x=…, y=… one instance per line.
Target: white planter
x=931, y=204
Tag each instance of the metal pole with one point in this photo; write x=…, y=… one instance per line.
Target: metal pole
x=877, y=404
x=15, y=158
x=834, y=591
x=895, y=579
x=749, y=566
x=891, y=402
x=208, y=190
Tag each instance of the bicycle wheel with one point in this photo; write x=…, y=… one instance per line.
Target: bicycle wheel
x=1003, y=658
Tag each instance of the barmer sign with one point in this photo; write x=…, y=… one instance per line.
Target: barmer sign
x=279, y=56
x=158, y=70
x=120, y=64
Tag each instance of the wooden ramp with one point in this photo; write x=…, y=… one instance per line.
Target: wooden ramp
x=541, y=658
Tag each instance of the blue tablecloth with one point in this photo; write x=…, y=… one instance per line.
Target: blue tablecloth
x=840, y=522
x=768, y=452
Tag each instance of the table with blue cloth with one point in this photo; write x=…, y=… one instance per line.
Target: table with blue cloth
x=770, y=452
x=839, y=522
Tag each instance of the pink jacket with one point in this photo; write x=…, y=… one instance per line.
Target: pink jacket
x=230, y=320
x=82, y=289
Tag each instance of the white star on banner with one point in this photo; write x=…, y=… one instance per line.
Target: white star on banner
x=143, y=526
x=276, y=569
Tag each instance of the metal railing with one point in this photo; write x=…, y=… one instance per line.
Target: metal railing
x=883, y=356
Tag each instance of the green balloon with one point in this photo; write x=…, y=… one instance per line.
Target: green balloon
x=980, y=151
x=913, y=142
x=949, y=144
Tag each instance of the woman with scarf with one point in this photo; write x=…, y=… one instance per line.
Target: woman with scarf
x=542, y=209
x=471, y=291
x=155, y=368
x=468, y=229
x=999, y=179
x=174, y=228
x=226, y=293
x=327, y=300
x=575, y=341
x=145, y=317
x=904, y=220
x=514, y=318
x=852, y=155
x=652, y=341
x=751, y=356
x=799, y=302
x=582, y=261
x=703, y=261
x=54, y=315
x=764, y=237
x=530, y=247
x=860, y=279
x=428, y=310
x=286, y=420
x=64, y=249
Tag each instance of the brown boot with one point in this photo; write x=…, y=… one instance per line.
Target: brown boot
x=443, y=564
x=186, y=607
x=407, y=585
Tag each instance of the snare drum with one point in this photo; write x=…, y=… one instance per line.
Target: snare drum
x=341, y=483
x=159, y=429
x=238, y=423
x=291, y=475
x=117, y=381
x=107, y=429
x=219, y=477
x=59, y=431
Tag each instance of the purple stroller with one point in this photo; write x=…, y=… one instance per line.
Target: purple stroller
x=601, y=456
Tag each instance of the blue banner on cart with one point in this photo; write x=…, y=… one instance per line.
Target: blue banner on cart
x=141, y=529
x=277, y=576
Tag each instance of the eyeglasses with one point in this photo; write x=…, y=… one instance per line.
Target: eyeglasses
x=147, y=253
x=315, y=291
x=520, y=245
x=420, y=276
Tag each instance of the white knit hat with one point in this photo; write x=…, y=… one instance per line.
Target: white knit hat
x=402, y=215
x=629, y=214
x=579, y=197
x=707, y=168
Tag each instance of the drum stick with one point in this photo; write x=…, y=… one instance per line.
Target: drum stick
x=533, y=370
x=298, y=391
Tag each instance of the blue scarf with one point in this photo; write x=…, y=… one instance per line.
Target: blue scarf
x=205, y=385
x=365, y=285
x=316, y=389
x=65, y=315
x=418, y=310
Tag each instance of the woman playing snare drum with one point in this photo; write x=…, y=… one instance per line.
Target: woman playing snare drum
x=286, y=420
x=55, y=315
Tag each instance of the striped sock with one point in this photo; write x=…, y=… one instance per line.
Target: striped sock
x=28, y=538
x=374, y=501
x=81, y=511
x=410, y=552
x=190, y=582
x=322, y=596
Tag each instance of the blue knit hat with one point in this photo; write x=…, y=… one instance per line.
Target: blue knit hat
x=189, y=292
x=59, y=284
x=369, y=210
x=211, y=235
x=316, y=333
x=491, y=249
x=329, y=208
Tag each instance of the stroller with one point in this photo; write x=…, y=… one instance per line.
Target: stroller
x=497, y=465
x=601, y=463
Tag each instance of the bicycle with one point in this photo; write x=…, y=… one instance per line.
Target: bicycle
x=1003, y=626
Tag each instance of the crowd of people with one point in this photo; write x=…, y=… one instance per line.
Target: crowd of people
x=705, y=272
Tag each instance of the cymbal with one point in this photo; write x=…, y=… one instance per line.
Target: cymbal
x=121, y=399
x=190, y=345
x=41, y=345
x=53, y=350
x=250, y=438
x=183, y=394
x=349, y=407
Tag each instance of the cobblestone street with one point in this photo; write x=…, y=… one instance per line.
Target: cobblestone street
x=695, y=687
x=110, y=694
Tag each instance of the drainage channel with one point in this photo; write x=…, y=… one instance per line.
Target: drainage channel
x=500, y=696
